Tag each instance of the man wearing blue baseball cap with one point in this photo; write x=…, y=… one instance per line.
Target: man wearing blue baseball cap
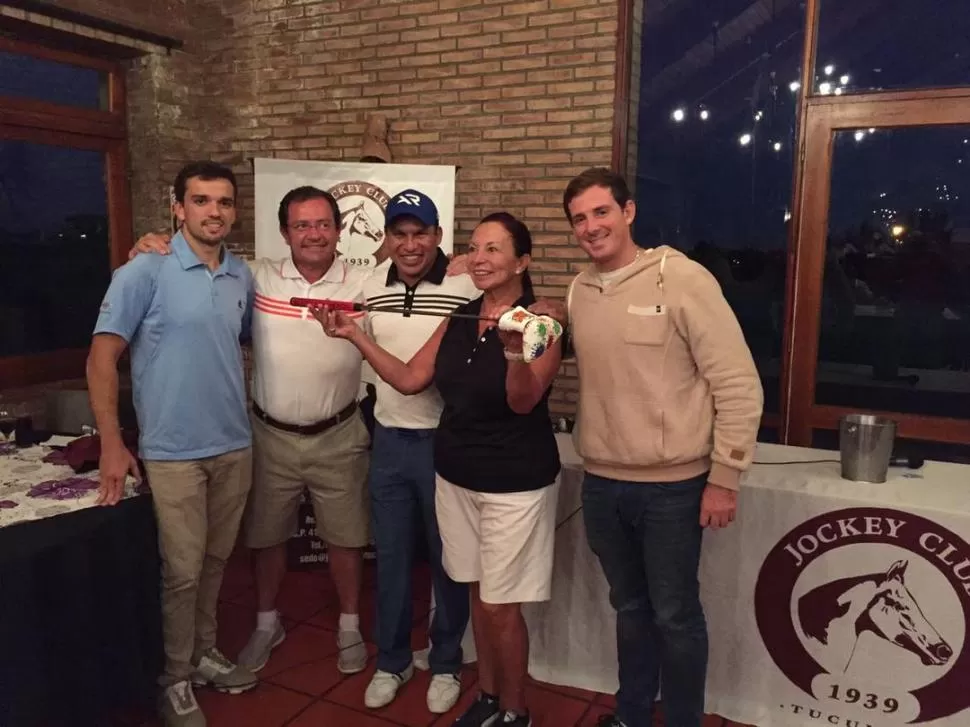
x=402, y=476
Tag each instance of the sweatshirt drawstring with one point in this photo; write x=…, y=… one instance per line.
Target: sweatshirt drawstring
x=660, y=275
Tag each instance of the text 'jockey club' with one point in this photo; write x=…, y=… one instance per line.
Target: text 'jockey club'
x=344, y=190
x=934, y=544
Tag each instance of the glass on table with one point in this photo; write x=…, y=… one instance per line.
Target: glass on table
x=8, y=423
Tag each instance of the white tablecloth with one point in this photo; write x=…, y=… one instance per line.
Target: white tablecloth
x=36, y=484
x=828, y=602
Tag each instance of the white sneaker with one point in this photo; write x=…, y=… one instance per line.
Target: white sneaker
x=352, y=657
x=383, y=687
x=216, y=671
x=443, y=692
x=255, y=653
x=178, y=707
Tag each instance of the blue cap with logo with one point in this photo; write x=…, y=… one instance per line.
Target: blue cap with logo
x=411, y=203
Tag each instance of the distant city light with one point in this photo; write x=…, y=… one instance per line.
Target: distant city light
x=825, y=88
x=860, y=135
x=678, y=115
x=898, y=230
x=776, y=146
x=829, y=69
x=758, y=115
x=872, y=131
x=705, y=114
x=794, y=86
x=844, y=80
x=745, y=139
x=787, y=215
x=838, y=90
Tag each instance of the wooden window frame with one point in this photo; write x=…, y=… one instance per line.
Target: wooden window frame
x=80, y=128
x=819, y=117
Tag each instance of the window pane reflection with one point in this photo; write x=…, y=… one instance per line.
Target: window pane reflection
x=53, y=82
x=895, y=319
x=54, y=246
x=872, y=45
x=717, y=101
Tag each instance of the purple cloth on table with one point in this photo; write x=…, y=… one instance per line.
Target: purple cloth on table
x=69, y=488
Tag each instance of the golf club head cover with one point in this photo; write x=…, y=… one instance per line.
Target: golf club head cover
x=539, y=333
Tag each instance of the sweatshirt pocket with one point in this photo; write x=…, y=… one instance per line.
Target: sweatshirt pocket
x=646, y=325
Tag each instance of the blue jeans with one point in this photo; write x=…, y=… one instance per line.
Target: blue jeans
x=647, y=537
x=402, y=484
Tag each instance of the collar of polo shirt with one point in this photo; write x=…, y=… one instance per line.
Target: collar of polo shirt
x=188, y=259
x=436, y=274
x=335, y=273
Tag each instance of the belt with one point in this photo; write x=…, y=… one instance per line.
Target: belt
x=306, y=429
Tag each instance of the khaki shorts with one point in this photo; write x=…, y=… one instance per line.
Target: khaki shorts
x=502, y=541
x=331, y=465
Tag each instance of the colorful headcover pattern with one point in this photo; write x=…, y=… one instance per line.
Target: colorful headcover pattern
x=539, y=333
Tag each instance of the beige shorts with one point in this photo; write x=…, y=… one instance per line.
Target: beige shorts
x=503, y=541
x=332, y=466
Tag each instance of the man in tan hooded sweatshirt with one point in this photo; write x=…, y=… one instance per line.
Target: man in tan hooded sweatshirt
x=669, y=407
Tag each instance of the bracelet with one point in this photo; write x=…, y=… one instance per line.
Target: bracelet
x=513, y=356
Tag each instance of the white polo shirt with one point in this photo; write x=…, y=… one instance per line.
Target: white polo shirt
x=301, y=375
x=403, y=335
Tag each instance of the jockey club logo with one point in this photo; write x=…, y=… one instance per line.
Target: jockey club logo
x=866, y=610
x=362, y=206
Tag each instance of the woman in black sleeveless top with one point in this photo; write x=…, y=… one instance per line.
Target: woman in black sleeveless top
x=495, y=457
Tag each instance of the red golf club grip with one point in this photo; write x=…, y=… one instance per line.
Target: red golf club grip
x=344, y=305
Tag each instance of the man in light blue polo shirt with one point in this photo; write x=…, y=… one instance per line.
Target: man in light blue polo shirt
x=184, y=316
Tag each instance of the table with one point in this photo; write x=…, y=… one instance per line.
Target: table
x=80, y=628
x=828, y=601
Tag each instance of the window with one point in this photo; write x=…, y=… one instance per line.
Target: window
x=65, y=218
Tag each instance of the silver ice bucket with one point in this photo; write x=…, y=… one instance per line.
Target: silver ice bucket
x=866, y=446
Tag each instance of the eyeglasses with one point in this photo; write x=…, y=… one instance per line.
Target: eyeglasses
x=319, y=225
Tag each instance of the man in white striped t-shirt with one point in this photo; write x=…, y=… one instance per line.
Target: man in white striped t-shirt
x=402, y=477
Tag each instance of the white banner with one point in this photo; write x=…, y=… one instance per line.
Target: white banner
x=362, y=192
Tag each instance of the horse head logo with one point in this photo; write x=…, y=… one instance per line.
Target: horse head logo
x=356, y=221
x=877, y=603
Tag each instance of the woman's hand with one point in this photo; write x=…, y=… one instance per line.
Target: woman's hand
x=458, y=265
x=153, y=242
x=511, y=340
x=336, y=324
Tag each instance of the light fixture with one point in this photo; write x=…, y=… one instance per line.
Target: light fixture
x=844, y=80
x=829, y=69
x=678, y=115
x=744, y=139
x=794, y=86
x=860, y=135
x=705, y=114
x=825, y=88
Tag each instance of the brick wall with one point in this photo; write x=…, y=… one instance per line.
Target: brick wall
x=518, y=94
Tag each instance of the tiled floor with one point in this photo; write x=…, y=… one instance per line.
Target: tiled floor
x=301, y=686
